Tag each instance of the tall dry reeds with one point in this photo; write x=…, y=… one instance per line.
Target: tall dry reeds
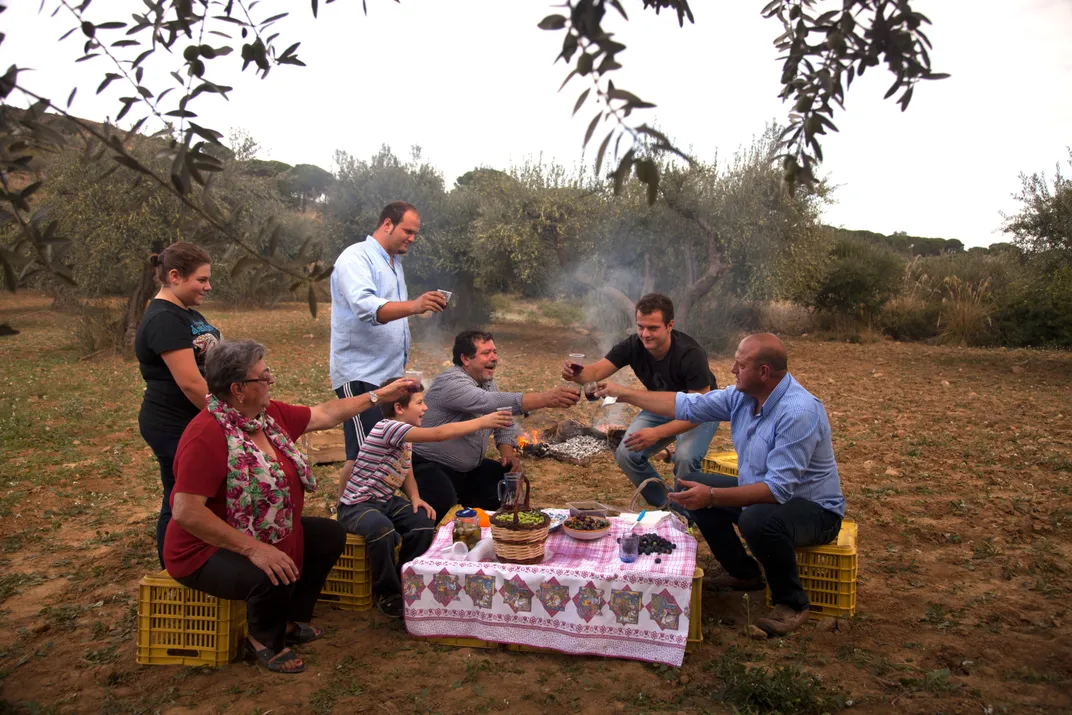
x=966, y=309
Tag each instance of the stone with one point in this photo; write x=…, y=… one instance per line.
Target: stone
x=826, y=625
x=684, y=680
x=756, y=633
x=891, y=472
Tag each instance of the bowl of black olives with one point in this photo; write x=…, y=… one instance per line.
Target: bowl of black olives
x=586, y=528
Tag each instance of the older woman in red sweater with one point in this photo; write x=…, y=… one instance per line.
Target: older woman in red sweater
x=237, y=530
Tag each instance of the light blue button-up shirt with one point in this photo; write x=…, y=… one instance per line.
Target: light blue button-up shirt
x=362, y=348
x=786, y=446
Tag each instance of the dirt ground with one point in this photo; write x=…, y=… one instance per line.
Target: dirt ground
x=956, y=463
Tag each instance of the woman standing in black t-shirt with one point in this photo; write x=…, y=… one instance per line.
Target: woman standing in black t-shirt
x=171, y=343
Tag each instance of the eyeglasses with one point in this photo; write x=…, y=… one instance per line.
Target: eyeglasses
x=267, y=378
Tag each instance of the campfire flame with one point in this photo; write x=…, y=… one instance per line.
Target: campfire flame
x=528, y=438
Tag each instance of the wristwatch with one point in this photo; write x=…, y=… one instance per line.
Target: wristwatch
x=373, y=397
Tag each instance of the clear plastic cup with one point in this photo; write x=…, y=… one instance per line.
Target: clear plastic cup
x=576, y=363
x=416, y=375
x=446, y=294
x=629, y=547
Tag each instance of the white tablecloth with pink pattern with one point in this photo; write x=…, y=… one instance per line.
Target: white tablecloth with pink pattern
x=582, y=599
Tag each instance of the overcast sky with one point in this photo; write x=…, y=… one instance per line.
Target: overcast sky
x=473, y=83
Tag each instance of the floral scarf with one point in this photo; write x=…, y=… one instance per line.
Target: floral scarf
x=258, y=496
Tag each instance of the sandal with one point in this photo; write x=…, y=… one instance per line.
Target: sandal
x=274, y=662
x=303, y=633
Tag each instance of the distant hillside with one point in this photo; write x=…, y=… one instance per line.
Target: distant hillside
x=902, y=243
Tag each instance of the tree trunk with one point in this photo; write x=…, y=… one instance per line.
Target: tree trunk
x=716, y=266
x=716, y=262
x=139, y=298
x=648, y=286
x=620, y=299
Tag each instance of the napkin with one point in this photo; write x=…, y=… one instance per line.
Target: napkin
x=483, y=551
x=651, y=518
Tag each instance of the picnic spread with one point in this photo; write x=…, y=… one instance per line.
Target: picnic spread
x=580, y=599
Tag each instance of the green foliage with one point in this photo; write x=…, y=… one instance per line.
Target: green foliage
x=785, y=690
x=902, y=243
x=860, y=278
x=1044, y=223
x=858, y=37
x=1036, y=309
x=304, y=183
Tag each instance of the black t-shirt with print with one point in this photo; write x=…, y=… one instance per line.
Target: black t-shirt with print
x=684, y=368
x=164, y=327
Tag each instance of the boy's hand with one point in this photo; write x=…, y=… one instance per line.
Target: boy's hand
x=496, y=420
x=419, y=503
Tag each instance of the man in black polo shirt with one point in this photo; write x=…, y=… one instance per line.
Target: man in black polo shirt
x=665, y=360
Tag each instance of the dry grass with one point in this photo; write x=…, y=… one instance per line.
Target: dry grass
x=966, y=308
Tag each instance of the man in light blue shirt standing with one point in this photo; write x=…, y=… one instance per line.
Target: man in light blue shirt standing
x=788, y=492
x=370, y=308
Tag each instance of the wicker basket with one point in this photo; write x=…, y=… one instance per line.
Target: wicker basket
x=517, y=544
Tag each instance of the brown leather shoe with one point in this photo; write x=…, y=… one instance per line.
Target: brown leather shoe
x=782, y=620
x=724, y=581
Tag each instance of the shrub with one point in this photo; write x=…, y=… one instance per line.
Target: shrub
x=1037, y=309
x=909, y=318
x=785, y=318
x=965, y=318
x=100, y=329
x=860, y=278
x=718, y=322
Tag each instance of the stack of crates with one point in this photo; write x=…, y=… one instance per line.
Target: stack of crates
x=349, y=585
x=720, y=463
x=828, y=574
x=181, y=626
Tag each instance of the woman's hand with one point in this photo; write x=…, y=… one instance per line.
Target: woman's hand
x=419, y=503
x=275, y=563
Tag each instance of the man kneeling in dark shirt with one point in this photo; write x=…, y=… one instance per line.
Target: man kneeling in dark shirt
x=665, y=360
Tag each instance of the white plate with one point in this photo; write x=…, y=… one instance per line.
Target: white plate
x=557, y=517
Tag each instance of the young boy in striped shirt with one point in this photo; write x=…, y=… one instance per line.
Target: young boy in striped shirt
x=369, y=503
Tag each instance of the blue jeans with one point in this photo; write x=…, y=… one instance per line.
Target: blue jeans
x=688, y=456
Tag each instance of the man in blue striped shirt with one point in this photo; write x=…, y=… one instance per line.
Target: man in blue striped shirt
x=788, y=492
x=370, y=311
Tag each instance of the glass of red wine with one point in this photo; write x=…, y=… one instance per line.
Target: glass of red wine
x=590, y=391
x=576, y=363
x=417, y=376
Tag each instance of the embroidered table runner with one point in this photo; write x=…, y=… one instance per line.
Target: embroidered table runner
x=582, y=599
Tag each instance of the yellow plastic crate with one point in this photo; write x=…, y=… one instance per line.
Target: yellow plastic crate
x=181, y=626
x=720, y=463
x=828, y=574
x=464, y=642
x=696, y=612
x=349, y=585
